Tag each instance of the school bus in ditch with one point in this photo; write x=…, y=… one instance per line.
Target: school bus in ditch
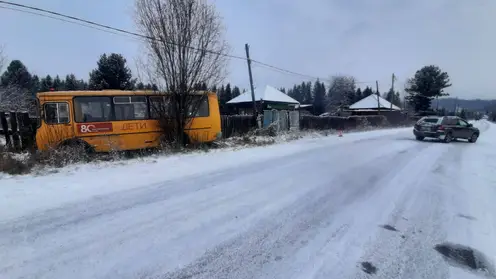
x=112, y=120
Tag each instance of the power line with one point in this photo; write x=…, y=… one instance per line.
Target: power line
x=284, y=71
x=118, y=31
x=58, y=18
x=110, y=28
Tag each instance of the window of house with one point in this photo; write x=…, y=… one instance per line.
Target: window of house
x=92, y=109
x=130, y=108
x=198, y=106
x=56, y=113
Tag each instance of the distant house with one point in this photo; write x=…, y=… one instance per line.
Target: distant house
x=372, y=104
x=267, y=98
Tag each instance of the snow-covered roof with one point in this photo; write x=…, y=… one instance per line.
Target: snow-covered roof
x=305, y=105
x=370, y=102
x=269, y=94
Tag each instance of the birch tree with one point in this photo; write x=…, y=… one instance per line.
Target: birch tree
x=341, y=92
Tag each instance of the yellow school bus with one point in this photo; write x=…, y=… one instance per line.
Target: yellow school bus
x=111, y=120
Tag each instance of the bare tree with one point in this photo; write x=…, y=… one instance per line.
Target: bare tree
x=13, y=98
x=341, y=92
x=185, y=48
x=3, y=59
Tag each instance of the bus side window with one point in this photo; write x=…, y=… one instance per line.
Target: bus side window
x=130, y=108
x=160, y=106
x=198, y=106
x=56, y=113
x=92, y=109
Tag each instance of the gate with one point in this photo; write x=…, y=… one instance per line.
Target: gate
x=283, y=120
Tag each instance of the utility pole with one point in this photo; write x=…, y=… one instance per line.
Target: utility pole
x=456, y=105
x=378, y=96
x=393, y=78
x=248, y=60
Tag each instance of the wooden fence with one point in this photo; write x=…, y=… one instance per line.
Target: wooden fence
x=235, y=125
x=340, y=123
x=18, y=129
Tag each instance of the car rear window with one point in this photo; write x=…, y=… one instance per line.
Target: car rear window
x=429, y=120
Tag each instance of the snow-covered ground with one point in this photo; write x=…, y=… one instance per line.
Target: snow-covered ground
x=313, y=208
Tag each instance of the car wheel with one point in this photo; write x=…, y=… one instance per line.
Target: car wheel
x=448, y=138
x=473, y=138
x=419, y=138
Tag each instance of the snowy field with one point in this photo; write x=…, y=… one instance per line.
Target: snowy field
x=367, y=205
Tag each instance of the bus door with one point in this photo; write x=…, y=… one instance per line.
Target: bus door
x=56, y=117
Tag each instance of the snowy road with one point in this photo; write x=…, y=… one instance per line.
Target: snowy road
x=368, y=205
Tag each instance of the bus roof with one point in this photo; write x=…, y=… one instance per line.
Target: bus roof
x=105, y=93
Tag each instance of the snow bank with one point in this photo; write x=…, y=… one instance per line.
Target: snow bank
x=473, y=224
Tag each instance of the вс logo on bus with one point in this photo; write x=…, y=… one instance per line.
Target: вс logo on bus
x=94, y=128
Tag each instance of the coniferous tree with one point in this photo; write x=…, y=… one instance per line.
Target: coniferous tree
x=111, y=73
x=319, y=93
x=367, y=92
x=58, y=85
x=35, y=85
x=201, y=86
x=227, y=93
x=220, y=93
x=71, y=83
x=236, y=92
x=17, y=75
x=427, y=84
x=46, y=84
x=307, y=92
x=151, y=87
x=296, y=93
x=358, y=95
x=83, y=85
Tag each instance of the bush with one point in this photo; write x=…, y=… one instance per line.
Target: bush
x=62, y=156
x=270, y=131
x=363, y=123
x=11, y=165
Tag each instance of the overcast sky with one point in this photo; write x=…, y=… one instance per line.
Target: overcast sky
x=369, y=39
